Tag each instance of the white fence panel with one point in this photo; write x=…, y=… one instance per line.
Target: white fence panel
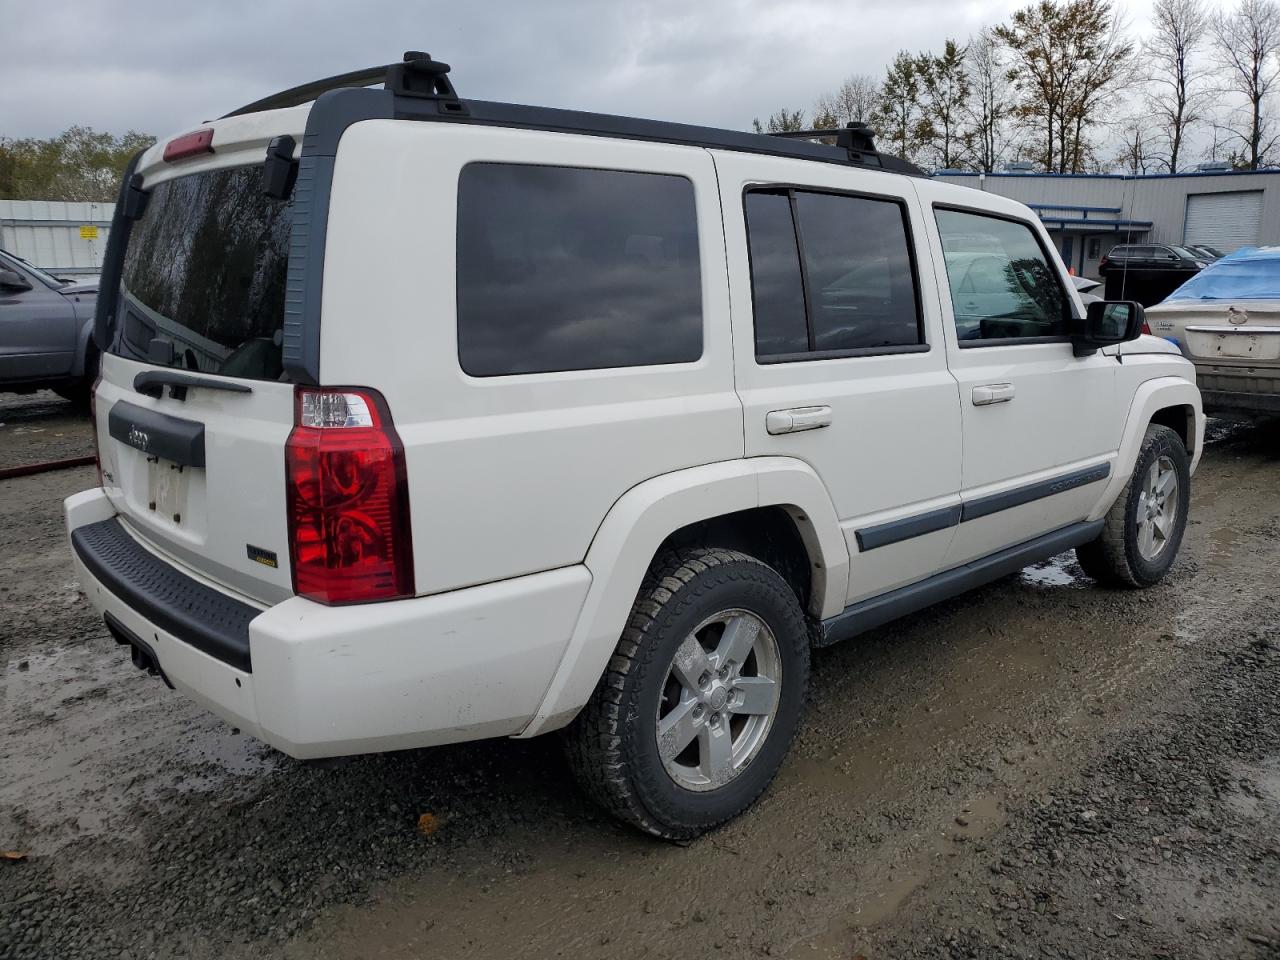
x=65, y=238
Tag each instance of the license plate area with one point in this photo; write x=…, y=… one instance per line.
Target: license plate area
x=1234, y=345
x=167, y=489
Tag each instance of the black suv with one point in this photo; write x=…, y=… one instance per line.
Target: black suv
x=1148, y=272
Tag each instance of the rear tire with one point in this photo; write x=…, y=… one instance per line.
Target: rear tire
x=1143, y=529
x=77, y=391
x=701, y=699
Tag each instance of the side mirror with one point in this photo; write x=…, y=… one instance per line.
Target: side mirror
x=1106, y=323
x=12, y=280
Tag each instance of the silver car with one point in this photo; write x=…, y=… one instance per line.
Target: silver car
x=45, y=331
x=1226, y=320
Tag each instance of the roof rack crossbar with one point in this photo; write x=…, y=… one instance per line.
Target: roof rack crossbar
x=854, y=137
x=305, y=93
x=416, y=76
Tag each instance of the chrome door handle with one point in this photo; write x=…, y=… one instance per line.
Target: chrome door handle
x=990, y=393
x=796, y=419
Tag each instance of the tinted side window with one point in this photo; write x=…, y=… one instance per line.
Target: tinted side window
x=777, y=287
x=1002, y=285
x=830, y=273
x=563, y=268
x=858, y=267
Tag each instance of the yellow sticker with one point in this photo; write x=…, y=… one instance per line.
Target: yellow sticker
x=88, y=232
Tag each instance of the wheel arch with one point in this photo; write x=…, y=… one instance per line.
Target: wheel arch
x=1168, y=401
x=749, y=498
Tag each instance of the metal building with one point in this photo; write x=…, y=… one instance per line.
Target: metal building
x=1086, y=214
x=64, y=238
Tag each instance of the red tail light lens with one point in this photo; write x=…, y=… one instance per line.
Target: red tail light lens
x=348, y=496
x=1146, y=327
x=189, y=145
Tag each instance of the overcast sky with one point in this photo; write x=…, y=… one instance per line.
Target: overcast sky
x=158, y=66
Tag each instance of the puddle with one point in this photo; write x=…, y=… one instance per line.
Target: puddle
x=1054, y=572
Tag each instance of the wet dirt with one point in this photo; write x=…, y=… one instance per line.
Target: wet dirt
x=41, y=426
x=1006, y=774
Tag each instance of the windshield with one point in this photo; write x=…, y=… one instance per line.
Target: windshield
x=1252, y=279
x=204, y=277
x=46, y=278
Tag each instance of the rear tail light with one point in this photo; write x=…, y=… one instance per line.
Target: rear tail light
x=1102, y=264
x=348, y=496
x=1146, y=327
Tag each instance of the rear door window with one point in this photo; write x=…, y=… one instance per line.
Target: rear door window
x=566, y=268
x=831, y=275
x=204, y=276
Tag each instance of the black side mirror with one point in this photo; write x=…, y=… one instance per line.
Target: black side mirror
x=1108, y=322
x=13, y=280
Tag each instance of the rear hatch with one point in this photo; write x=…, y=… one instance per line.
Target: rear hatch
x=197, y=470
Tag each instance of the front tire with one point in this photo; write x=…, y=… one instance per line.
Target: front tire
x=1143, y=529
x=701, y=699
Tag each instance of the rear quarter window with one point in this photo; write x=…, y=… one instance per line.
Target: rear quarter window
x=565, y=268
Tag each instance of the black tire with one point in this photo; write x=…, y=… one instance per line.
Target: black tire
x=77, y=391
x=613, y=744
x=1114, y=558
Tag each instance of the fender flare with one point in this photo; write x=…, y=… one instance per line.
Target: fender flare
x=83, y=339
x=1151, y=396
x=636, y=526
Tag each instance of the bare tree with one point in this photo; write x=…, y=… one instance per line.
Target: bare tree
x=987, y=111
x=1136, y=154
x=1246, y=42
x=854, y=100
x=1179, y=28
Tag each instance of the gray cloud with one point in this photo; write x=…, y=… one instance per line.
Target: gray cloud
x=159, y=66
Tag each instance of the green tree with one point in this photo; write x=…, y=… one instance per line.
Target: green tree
x=944, y=92
x=898, y=116
x=784, y=121
x=78, y=164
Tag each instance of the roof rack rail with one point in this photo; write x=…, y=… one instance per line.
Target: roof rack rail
x=857, y=139
x=416, y=76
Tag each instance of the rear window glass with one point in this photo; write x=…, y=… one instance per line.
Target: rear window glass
x=563, y=268
x=204, y=276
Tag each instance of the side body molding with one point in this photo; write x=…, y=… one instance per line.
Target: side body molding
x=646, y=515
x=1150, y=396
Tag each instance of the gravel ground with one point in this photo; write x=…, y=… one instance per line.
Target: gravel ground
x=41, y=426
x=1040, y=768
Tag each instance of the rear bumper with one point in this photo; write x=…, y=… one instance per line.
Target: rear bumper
x=319, y=681
x=1239, y=388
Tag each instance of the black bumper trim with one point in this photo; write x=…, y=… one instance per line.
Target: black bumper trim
x=195, y=613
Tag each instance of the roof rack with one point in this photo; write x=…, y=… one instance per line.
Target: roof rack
x=423, y=91
x=857, y=139
x=416, y=76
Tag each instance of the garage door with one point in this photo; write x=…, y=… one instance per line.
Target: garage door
x=1224, y=220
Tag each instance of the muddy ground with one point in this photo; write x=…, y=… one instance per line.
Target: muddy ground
x=1038, y=769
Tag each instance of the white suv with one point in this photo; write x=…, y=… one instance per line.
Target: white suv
x=425, y=419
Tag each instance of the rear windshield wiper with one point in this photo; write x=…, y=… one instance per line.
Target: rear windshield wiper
x=153, y=382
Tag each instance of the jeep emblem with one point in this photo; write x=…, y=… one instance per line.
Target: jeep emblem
x=138, y=438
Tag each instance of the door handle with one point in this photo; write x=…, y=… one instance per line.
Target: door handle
x=797, y=419
x=990, y=393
